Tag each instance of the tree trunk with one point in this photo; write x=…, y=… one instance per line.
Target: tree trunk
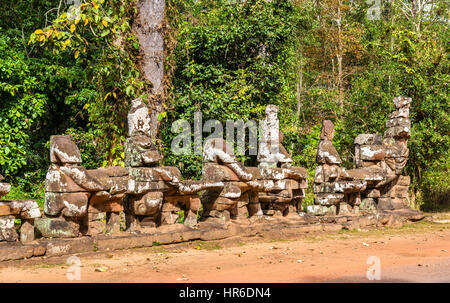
x=339, y=57
x=300, y=83
x=148, y=28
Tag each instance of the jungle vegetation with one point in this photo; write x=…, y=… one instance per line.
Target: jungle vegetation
x=342, y=60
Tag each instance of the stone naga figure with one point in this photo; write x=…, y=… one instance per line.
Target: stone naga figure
x=156, y=194
x=335, y=190
x=76, y=199
x=281, y=186
x=27, y=211
x=381, y=161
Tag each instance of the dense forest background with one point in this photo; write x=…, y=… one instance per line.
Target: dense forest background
x=75, y=72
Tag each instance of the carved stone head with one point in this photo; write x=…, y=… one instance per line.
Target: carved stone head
x=271, y=112
x=327, y=130
x=402, y=102
x=63, y=150
x=139, y=121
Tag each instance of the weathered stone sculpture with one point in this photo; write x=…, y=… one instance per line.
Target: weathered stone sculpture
x=76, y=199
x=271, y=152
x=156, y=194
x=376, y=183
x=335, y=190
x=235, y=199
x=282, y=186
x=27, y=211
x=381, y=161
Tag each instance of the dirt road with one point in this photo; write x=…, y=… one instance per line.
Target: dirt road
x=418, y=252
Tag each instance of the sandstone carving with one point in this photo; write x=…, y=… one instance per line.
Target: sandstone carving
x=156, y=195
x=335, y=190
x=271, y=152
x=87, y=201
x=272, y=188
x=235, y=199
x=376, y=183
x=27, y=211
x=381, y=161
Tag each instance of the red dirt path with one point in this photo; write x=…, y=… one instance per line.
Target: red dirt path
x=418, y=252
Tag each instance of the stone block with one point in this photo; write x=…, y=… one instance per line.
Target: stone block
x=192, y=187
x=4, y=189
x=373, y=193
x=399, y=203
x=384, y=204
x=58, y=182
x=403, y=122
x=404, y=180
x=345, y=209
x=136, y=187
x=107, y=202
x=216, y=172
x=67, y=204
x=113, y=171
x=320, y=210
x=139, y=121
x=56, y=228
x=400, y=113
x=169, y=217
x=5, y=209
x=327, y=154
x=230, y=191
x=148, y=204
x=373, y=173
x=402, y=102
x=194, y=203
x=327, y=199
x=63, y=150
x=368, y=139
x=398, y=131
x=7, y=230
x=27, y=231
x=368, y=205
x=372, y=152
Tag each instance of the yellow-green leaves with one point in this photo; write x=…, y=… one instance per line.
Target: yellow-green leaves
x=65, y=44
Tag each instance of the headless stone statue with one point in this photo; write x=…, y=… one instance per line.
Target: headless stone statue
x=334, y=189
x=217, y=150
x=271, y=152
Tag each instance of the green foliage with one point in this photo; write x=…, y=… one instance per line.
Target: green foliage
x=230, y=60
x=98, y=36
x=22, y=104
x=434, y=188
x=75, y=74
x=26, y=191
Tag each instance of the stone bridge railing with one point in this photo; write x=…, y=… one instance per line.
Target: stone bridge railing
x=144, y=196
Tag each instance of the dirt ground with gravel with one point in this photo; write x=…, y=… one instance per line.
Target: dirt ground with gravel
x=418, y=252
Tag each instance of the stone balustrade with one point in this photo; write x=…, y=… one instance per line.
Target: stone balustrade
x=144, y=196
x=26, y=211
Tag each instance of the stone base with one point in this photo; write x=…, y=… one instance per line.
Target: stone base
x=7, y=230
x=57, y=228
x=321, y=210
x=27, y=231
x=208, y=230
